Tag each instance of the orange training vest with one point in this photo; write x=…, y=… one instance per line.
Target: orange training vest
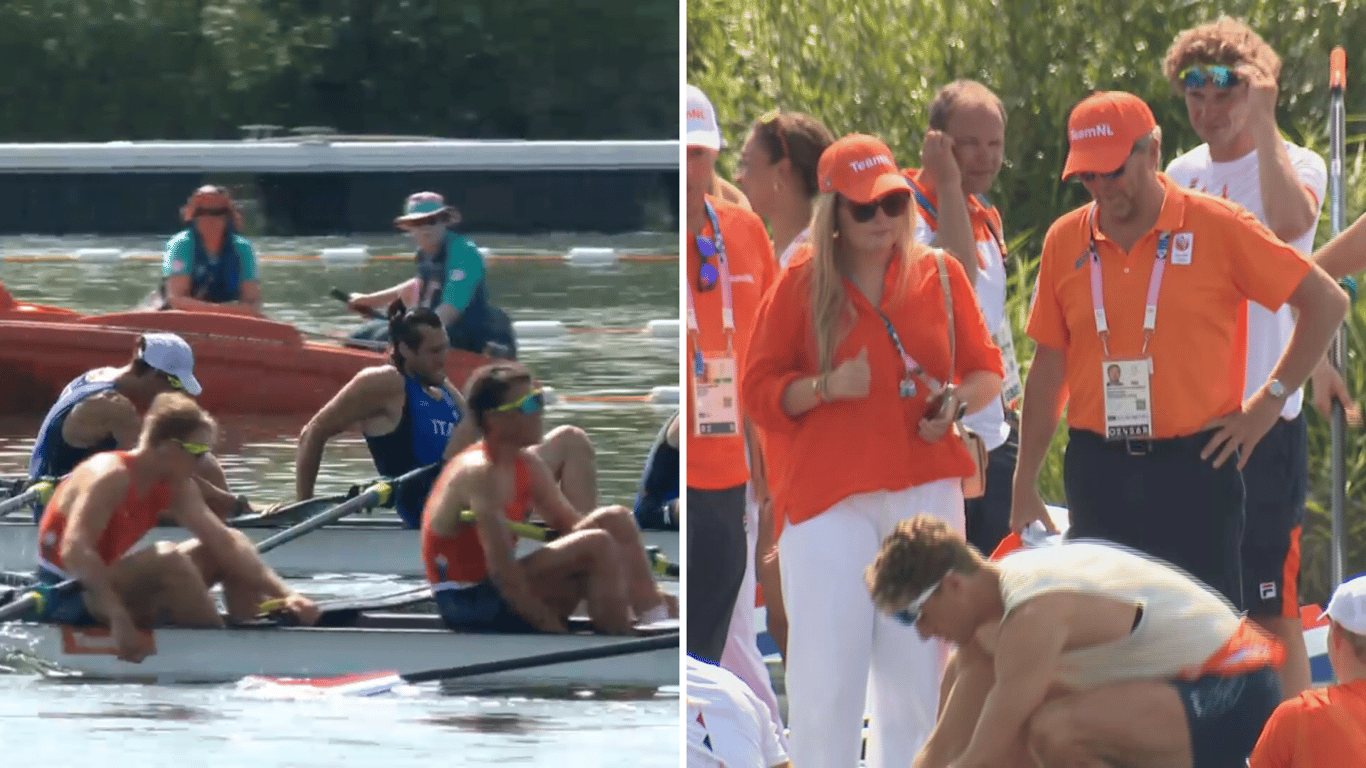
x=131, y=520
x=459, y=558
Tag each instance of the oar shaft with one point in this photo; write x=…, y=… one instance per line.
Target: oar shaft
x=40, y=491
x=1337, y=351
x=626, y=648
x=375, y=494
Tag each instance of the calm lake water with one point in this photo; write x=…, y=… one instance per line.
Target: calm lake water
x=61, y=724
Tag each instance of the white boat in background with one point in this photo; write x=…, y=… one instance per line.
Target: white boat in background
x=377, y=641
x=371, y=544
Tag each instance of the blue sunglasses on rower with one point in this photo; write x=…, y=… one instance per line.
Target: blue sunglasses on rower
x=707, y=275
x=530, y=403
x=1217, y=75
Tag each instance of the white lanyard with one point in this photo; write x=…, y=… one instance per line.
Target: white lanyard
x=727, y=304
x=1154, y=285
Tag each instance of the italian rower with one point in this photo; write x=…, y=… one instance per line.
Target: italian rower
x=412, y=415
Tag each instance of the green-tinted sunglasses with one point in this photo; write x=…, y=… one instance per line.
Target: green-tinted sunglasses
x=194, y=449
x=531, y=402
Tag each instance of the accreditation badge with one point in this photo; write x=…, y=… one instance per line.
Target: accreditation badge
x=716, y=411
x=1128, y=398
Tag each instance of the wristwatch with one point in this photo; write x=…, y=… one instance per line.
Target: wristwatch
x=1276, y=389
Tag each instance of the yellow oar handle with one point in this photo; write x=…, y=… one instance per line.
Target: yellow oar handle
x=525, y=530
x=658, y=562
x=271, y=606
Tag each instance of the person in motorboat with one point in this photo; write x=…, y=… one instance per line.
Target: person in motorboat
x=412, y=415
x=97, y=516
x=100, y=411
x=450, y=280
x=657, y=501
x=477, y=579
x=208, y=266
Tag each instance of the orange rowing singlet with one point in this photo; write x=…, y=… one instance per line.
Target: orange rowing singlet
x=458, y=561
x=132, y=519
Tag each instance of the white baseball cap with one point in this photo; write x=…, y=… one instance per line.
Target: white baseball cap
x=703, y=130
x=171, y=355
x=1348, y=606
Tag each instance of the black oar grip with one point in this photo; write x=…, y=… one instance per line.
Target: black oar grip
x=345, y=298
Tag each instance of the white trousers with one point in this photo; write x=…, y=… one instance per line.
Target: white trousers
x=841, y=653
x=741, y=656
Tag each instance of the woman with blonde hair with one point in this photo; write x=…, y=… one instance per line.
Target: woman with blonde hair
x=858, y=361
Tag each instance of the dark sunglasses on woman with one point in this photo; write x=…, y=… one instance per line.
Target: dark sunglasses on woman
x=893, y=205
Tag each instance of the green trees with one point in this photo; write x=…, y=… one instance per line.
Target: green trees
x=873, y=66
x=174, y=69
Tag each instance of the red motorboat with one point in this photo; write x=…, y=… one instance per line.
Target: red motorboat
x=247, y=365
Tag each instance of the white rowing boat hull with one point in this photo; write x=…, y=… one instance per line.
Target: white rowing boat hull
x=351, y=546
x=401, y=643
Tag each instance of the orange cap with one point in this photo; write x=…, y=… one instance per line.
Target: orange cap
x=1102, y=130
x=861, y=168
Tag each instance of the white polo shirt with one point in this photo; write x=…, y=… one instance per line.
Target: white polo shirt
x=728, y=726
x=1268, y=333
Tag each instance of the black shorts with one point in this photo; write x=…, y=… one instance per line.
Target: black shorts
x=1160, y=498
x=1277, y=481
x=479, y=608
x=1225, y=715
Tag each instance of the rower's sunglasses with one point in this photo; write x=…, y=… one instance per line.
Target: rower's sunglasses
x=909, y=615
x=1217, y=75
x=530, y=403
x=212, y=211
x=194, y=449
x=893, y=205
x=707, y=274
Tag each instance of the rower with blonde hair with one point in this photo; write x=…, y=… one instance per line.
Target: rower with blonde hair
x=111, y=501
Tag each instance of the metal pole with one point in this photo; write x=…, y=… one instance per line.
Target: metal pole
x=1337, y=353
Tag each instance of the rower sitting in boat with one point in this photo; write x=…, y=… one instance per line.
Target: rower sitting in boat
x=450, y=280
x=114, y=499
x=209, y=267
x=479, y=583
x=412, y=415
x=98, y=411
x=657, y=501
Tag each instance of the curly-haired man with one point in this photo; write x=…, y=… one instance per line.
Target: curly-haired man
x=1227, y=75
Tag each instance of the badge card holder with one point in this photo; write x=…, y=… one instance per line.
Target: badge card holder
x=1127, y=381
x=716, y=410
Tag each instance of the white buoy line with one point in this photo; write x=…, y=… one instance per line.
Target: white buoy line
x=356, y=255
x=659, y=395
x=664, y=330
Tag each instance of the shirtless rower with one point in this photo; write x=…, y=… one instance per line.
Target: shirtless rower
x=98, y=411
x=412, y=415
x=1082, y=654
x=477, y=579
x=111, y=501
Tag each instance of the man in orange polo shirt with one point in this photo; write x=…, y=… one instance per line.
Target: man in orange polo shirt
x=1326, y=727
x=963, y=152
x=730, y=264
x=1153, y=278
